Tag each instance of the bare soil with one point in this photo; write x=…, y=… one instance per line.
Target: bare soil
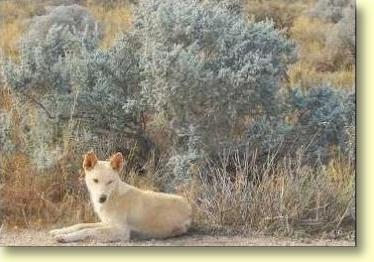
x=42, y=238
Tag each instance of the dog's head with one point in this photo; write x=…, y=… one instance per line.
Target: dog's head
x=102, y=176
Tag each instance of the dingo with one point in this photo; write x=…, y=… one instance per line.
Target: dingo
x=123, y=209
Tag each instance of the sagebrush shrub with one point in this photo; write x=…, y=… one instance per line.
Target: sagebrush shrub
x=198, y=67
x=111, y=3
x=24, y=130
x=108, y=103
x=199, y=54
x=82, y=93
x=107, y=84
x=49, y=41
x=319, y=122
x=207, y=67
x=43, y=76
x=6, y=144
x=235, y=7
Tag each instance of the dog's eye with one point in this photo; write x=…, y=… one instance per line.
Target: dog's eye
x=110, y=182
x=96, y=180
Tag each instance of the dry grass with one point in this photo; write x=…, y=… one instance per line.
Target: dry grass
x=6, y=100
x=284, y=198
x=304, y=75
x=309, y=34
x=316, y=64
x=13, y=16
x=282, y=12
x=31, y=199
x=10, y=34
x=116, y=19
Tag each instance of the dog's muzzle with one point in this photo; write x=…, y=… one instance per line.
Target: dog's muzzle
x=102, y=199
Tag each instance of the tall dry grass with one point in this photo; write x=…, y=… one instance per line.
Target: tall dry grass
x=282, y=198
x=13, y=18
x=305, y=75
x=31, y=199
x=282, y=12
x=115, y=19
x=316, y=64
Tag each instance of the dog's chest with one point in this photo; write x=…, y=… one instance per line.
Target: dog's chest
x=109, y=214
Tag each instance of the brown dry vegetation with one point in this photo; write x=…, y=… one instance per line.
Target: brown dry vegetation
x=114, y=19
x=287, y=199
x=317, y=63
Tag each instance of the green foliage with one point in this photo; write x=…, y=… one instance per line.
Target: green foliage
x=81, y=93
x=201, y=63
x=43, y=77
x=47, y=45
x=235, y=7
x=6, y=145
x=201, y=67
x=324, y=123
x=206, y=67
x=107, y=84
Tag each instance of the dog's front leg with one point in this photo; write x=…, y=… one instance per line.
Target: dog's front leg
x=100, y=234
x=74, y=228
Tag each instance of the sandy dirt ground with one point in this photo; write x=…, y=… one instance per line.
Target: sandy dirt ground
x=42, y=238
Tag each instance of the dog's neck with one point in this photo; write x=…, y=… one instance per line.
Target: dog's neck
x=122, y=188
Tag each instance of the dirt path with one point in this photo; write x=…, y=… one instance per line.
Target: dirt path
x=42, y=238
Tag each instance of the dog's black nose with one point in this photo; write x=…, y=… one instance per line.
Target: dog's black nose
x=102, y=199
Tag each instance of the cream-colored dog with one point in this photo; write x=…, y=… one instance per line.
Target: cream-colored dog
x=123, y=209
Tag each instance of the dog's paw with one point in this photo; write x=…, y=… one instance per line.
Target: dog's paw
x=61, y=239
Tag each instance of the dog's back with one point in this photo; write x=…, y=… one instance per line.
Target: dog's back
x=151, y=214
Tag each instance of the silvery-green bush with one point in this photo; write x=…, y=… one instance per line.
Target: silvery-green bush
x=318, y=123
x=42, y=78
x=235, y=7
x=107, y=86
x=49, y=41
x=90, y=95
x=200, y=67
x=326, y=119
x=6, y=144
x=32, y=133
x=340, y=42
x=207, y=67
x=108, y=96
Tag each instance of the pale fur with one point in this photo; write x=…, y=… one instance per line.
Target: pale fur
x=127, y=209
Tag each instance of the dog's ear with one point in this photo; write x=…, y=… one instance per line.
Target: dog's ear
x=116, y=161
x=89, y=161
